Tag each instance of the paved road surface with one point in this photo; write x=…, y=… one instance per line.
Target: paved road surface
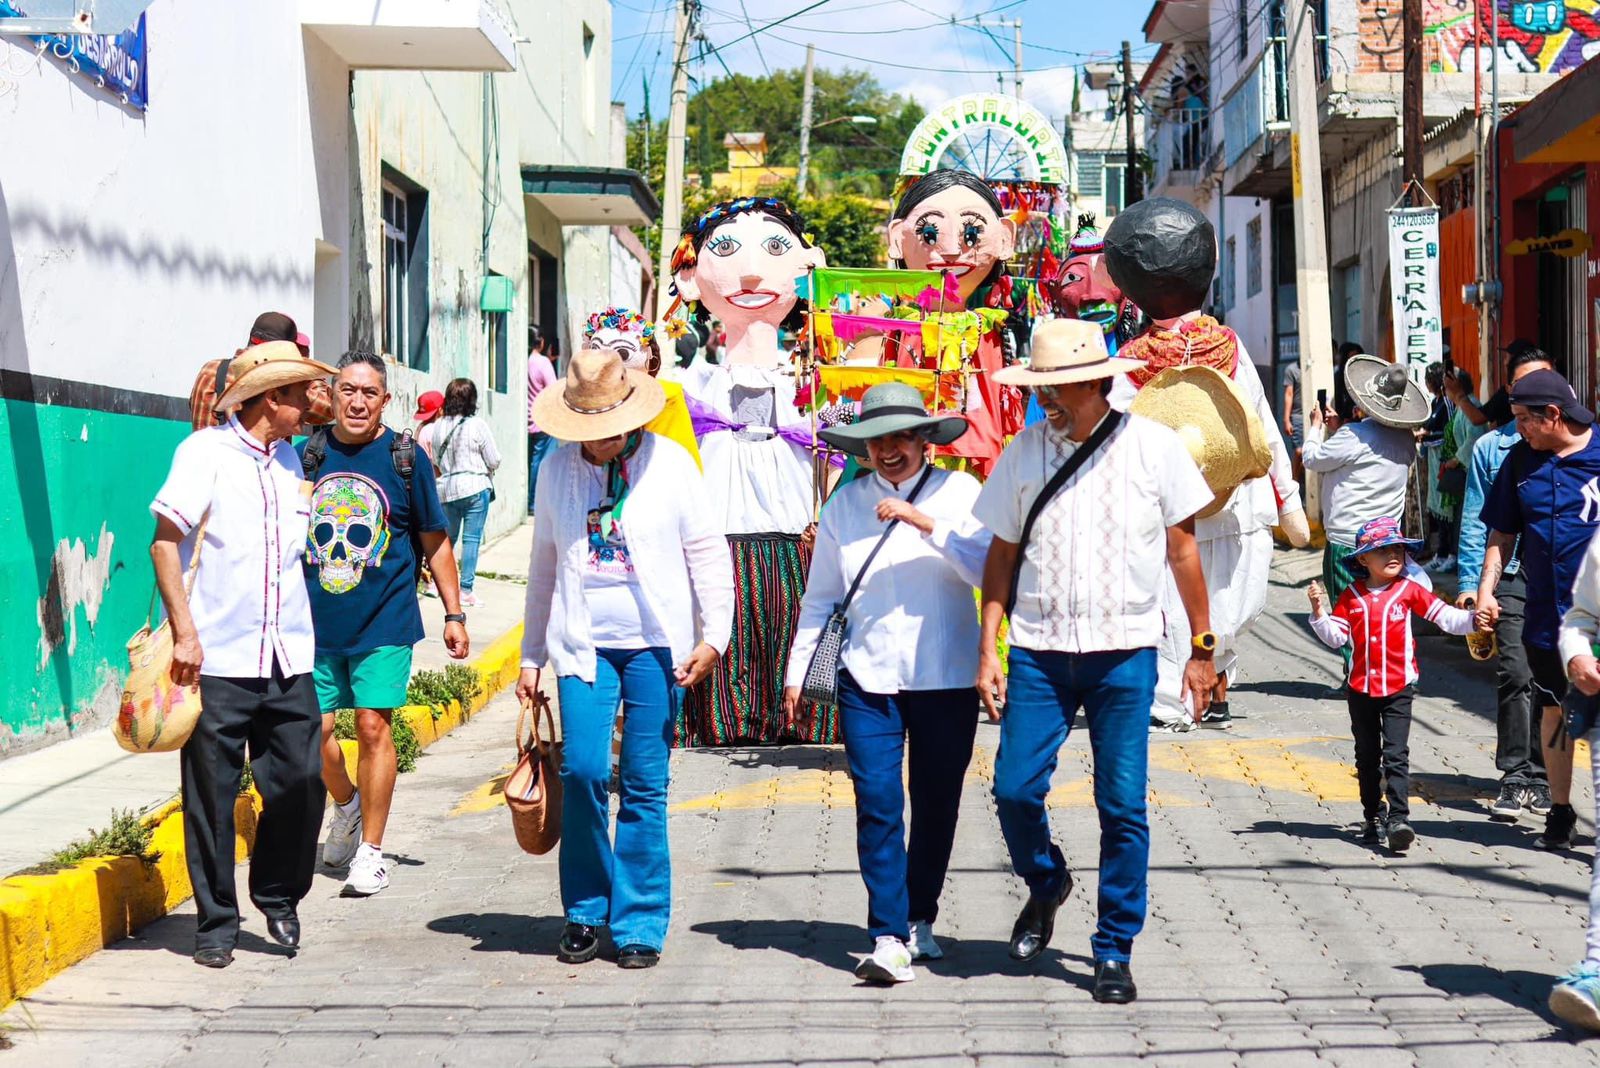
x=1274, y=937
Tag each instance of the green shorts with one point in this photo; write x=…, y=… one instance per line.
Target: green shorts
x=375, y=679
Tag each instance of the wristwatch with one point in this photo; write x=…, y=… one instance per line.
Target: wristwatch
x=1205, y=642
x=455, y=617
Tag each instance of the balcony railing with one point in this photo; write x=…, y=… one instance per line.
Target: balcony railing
x=1180, y=140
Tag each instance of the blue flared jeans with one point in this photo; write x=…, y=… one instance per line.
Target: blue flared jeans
x=626, y=884
x=1044, y=692
x=903, y=883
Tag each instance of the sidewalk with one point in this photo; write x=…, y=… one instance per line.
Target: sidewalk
x=51, y=796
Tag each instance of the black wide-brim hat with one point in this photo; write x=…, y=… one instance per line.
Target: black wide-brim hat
x=1385, y=392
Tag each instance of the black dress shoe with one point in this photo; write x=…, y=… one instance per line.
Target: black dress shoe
x=579, y=943
x=1036, y=923
x=1113, y=982
x=284, y=930
x=638, y=957
x=213, y=958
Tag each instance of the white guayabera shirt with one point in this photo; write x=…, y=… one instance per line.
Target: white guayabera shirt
x=1093, y=568
x=249, y=603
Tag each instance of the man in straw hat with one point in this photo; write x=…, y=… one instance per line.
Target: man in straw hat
x=245, y=635
x=1078, y=564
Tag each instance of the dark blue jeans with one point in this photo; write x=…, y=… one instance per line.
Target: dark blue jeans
x=464, y=522
x=539, y=446
x=627, y=885
x=1044, y=692
x=902, y=884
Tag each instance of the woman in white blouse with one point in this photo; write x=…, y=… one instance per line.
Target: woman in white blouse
x=909, y=658
x=630, y=593
x=465, y=457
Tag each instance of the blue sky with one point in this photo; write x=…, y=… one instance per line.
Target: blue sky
x=935, y=60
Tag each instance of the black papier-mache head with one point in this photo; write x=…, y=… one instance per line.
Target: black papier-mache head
x=1162, y=254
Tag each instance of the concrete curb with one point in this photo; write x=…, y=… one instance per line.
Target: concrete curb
x=50, y=922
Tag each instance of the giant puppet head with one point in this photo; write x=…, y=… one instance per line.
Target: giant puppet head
x=630, y=335
x=1082, y=288
x=951, y=220
x=739, y=262
x=1162, y=254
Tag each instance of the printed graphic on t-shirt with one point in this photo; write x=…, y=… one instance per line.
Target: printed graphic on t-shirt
x=607, y=556
x=349, y=530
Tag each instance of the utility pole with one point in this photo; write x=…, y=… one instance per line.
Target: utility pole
x=1310, y=235
x=1132, y=184
x=806, y=95
x=1411, y=92
x=1016, y=56
x=677, y=122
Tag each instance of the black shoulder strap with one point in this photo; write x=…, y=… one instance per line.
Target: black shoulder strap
x=222, y=375
x=403, y=451
x=316, y=452
x=1107, y=426
x=927, y=472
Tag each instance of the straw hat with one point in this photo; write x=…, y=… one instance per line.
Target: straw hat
x=1066, y=350
x=600, y=398
x=888, y=408
x=268, y=366
x=1385, y=392
x=1209, y=413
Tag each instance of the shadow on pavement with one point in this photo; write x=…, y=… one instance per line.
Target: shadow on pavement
x=503, y=932
x=1519, y=989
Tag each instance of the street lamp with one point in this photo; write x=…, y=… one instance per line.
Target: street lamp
x=805, y=140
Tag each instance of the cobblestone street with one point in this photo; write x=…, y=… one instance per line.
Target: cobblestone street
x=1274, y=937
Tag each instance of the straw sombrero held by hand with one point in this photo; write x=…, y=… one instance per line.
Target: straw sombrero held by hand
x=1209, y=413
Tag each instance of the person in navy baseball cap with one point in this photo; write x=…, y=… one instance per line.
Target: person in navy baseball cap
x=1538, y=391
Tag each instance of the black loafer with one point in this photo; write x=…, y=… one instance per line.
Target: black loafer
x=213, y=958
x=284, y=930
x=1113, y=982
x=1036, y=923
x=579, y=944
x=638, y=957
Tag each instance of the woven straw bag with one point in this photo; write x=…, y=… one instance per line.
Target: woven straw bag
x=156, y=715
x=533, y=789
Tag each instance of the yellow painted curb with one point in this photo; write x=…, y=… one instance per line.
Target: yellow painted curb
x=50, y=922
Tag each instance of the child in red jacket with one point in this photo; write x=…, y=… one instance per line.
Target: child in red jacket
x=1373, y=618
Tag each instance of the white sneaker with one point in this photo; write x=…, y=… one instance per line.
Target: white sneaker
x=922, y=944
x=369, y=872
x=344, y=833
x=469, y=599
x=890, y=962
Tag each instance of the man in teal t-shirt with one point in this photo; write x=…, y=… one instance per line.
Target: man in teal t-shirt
x=373, y=509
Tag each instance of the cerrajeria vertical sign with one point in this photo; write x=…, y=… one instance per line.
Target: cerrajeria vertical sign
x=1414, y=281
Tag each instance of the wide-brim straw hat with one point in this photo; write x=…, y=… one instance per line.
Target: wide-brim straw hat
x=888, y=408
x=600, y=398
x=1385, y=392
x=1066, y=350
x=1216, y=424
x=267, y=366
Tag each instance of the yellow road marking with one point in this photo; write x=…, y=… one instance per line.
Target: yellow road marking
x=486, y=798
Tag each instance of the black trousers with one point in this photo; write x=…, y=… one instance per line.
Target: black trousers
x=1517, y=752
x=278, y=721
x=1382, y=730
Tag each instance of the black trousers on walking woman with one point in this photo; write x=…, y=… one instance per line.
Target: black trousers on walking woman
x=278, y=721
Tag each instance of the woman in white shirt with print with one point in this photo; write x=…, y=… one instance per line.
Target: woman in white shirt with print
x=630, y=593
x=908, y=661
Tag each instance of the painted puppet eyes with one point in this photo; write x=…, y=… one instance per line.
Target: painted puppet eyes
x=971, y=234
x=777, y=245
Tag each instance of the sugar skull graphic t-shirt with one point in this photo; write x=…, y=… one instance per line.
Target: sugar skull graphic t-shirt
x=361, y=562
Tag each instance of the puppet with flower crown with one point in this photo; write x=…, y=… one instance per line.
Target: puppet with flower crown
x=739, y=263
x=1162, y=253
x=634, y=338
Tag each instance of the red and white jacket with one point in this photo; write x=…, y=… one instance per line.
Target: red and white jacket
x=1376, y=624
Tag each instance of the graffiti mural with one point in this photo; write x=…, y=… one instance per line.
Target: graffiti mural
x=1536, y=36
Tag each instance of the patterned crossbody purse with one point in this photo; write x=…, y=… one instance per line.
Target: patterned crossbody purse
x=821, y=685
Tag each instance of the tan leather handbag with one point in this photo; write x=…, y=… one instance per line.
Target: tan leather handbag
x=156, y=715
x=533, y=789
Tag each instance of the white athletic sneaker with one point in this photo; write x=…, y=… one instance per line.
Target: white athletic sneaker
x=369, y=872
x=344, y=833
x=922, y=944
x=890, y=962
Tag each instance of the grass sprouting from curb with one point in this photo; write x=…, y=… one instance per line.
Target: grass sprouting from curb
x=457, y=682
x=128, y=835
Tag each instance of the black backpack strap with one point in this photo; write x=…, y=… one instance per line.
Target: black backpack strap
x=1107, y=426
x=316, y=452
x=403, y=454
x=222, y=375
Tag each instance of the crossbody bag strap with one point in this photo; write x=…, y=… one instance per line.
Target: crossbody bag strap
x=848, y=597
x=1107, y=427
x=189, y=575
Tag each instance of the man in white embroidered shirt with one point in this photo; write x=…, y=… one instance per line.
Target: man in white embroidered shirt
x=236, y=495
x=1084, y=565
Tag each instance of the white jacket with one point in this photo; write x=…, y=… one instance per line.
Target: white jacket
x=680, y=555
